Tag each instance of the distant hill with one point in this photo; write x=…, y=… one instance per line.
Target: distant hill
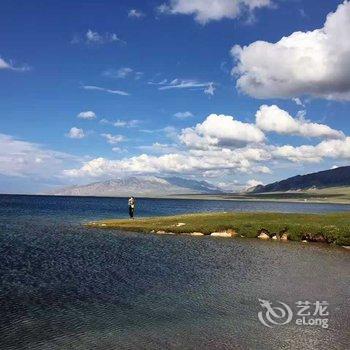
x=322, y=179
x=140, y=186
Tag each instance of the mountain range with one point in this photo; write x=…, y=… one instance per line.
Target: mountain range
x=328, y=178
x=140, y=186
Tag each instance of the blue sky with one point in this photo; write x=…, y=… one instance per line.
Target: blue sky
x=91, y=90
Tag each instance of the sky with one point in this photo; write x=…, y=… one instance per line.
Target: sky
x=233, y=92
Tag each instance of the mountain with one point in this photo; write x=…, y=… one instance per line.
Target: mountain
x=141, y=186
x=322, y=179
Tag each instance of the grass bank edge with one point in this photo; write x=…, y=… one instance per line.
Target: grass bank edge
x=334, y=227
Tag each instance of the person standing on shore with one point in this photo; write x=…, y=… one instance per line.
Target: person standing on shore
x=131, y=203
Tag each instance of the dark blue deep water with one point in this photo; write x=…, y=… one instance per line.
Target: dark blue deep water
x=67, y=287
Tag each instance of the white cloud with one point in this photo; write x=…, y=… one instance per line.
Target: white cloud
x=94, y=37
x=191, y=84
x=161, y=148
x=22, y=158
x=122, y=73
x=127, y=123
x=252, y=183
x=4, y=64
x=76, y=133
x=272, y=118
x=113, y=139
x=121, y=123
x=11, y=66
x=183, y=115
x=218, y=146
x=334, y=149
x=298, y=101
x=210, y=89
x=312, y=63
x=87, y=115
x=162, y=82
x=134, y=13
x=205, y=11
x=221, y=130
x=185, y=163
x=110, y=91
x=97, y=38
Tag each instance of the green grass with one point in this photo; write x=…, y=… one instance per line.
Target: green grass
x=339, y=195
x=334, y=227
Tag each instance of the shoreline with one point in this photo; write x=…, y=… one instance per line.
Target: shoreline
x=202, y=197
x=331, y=228
x=244, y=199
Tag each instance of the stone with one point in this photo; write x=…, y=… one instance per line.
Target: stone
x=232, y=232
x=264, y=232
x=196, y=234
x=284, y=237
x=220, y=234
x=314, y=238
x=274, y=237
x=263, y=235
x=180, y=224
x=226, y=233
x=346, y=247
x=160, y=232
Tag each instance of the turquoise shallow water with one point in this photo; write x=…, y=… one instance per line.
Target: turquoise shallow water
x=65, y=287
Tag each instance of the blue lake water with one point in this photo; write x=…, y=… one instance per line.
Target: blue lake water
x=67, y=287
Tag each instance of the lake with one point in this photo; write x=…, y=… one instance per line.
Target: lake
x=67, y=287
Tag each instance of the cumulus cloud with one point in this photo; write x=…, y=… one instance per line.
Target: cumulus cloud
x=113, y=139
x=205, y=11
x=110, y=91
x=22, y=158
x=183, y=115
x=274, y=119
x=87, y=115
x=246, y=160
x=186, y=163
x=334, y=149
x=220, y=146
x=76, y=133
x=312, y=63
x=221, y=130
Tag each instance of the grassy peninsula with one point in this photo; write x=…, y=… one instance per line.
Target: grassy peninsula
x=331, y=228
